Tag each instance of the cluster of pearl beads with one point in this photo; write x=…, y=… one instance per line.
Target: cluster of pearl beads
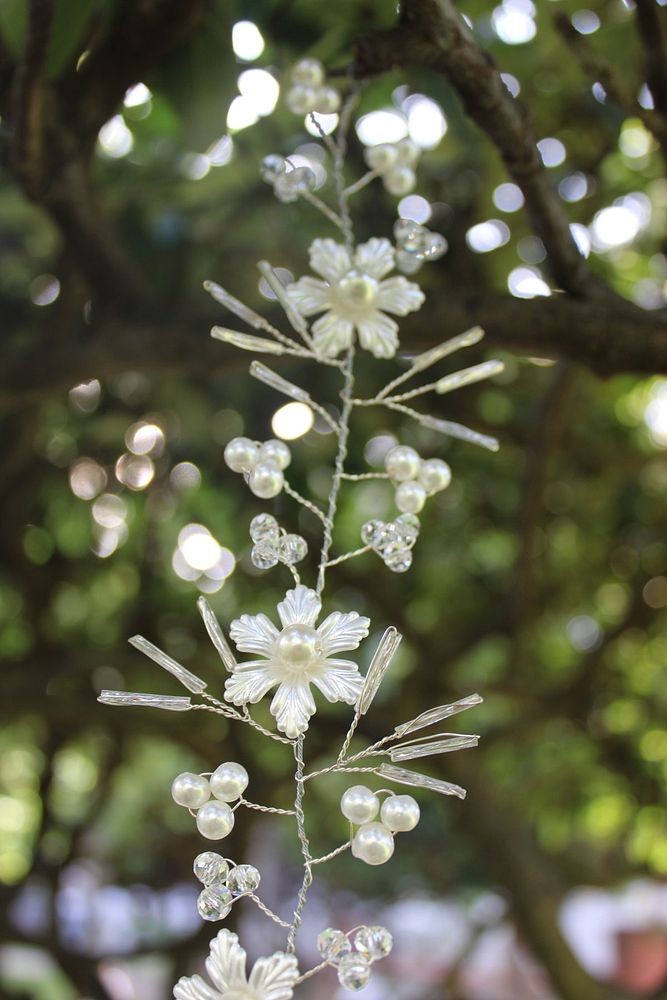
x=273, y=544
x=373, y=841
x=208, y=797
x=261, y=463
x=415, y=477
x=288, y=182
x=395, y=162
x=309, y=90
x=393, y=541
x=224, y=882
x=352, y=959
x=416, y=244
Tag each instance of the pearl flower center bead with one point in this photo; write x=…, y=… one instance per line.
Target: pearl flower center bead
x=299, y=645
x=355, y=291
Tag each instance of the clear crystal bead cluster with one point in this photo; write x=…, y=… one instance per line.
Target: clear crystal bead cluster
x=393, y=540
x=224, y=882
x=352, y=954
x=415, y=244
x=353, y=299
x=272, y=544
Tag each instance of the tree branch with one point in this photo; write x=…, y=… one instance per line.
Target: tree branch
x=608, y=338
x=432, y=34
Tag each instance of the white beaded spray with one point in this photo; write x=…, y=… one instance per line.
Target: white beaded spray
x=350, y=301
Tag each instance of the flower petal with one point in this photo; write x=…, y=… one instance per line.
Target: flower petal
x=194, y=988
x=339, y=680
x=226, y=963
x=309, y=296
x=274, y=978
x=249, y=686
x=292, y=706
x=330, y=259
x=378, y=334
x=254, y=634
x=331, y=334
x=399, y=296
x=300, y=607
x=341, y=631
x=375, y=257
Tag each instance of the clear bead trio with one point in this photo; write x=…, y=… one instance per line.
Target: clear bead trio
x=351, y=303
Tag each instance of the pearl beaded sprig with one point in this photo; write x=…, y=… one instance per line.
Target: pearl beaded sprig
x=262, y=464
x=208, y=798
x=395, y=163
x=310, y=91
x=415, y=478
x=373, y=841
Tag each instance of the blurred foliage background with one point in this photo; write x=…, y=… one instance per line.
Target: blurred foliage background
x=540, y=578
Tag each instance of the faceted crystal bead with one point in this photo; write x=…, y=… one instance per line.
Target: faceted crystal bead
x=243, y=878
x=408, y=526
x=353, y=972
x=265, y=555
x=397, y=557
x=373, y=942
x=293, y=549
x=214, y=903
x=409, y=235
x=408, y=263
x=264, y=528
x=390, y=536
x=435, y=245
x=289, y=186
x=210, y=868
x=371, y=533
x=272, y=167
x=333, y=945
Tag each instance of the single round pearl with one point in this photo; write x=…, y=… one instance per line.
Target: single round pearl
x=434, y=475
x=359, y=804
x=190, y=790
x=402, y=462
x=215, y=820
x=327, y=101
x=308, y=72
x=300, y=100
x=356, y=290
x=266, y=480
x=298, y=645
x=275, y=451
x=400, y=180
x=381, y=157
x=410, y=497
x=373, y=843
x=408, y=152
x=229, y=781
x=400, y=813
x=241, y=454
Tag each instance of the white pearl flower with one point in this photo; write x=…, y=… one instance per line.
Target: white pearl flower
x=295, y=657
x=353, y=295
x=272, y=978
